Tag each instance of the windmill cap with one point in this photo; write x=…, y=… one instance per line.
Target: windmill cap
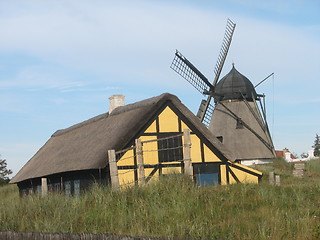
x=234, y=85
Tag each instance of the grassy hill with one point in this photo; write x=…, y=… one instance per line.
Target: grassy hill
x=174, y=207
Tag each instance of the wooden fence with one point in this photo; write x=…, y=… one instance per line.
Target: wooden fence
x=9, y=235
x=140, y=153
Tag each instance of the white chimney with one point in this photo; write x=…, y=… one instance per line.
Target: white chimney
x=288, y=156
x=115, y=101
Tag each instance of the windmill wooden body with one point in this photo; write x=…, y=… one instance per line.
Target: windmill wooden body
x=233, y=110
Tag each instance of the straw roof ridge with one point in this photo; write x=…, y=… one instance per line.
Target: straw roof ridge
x=118, y=110
x=140, y=104
x=78, y=125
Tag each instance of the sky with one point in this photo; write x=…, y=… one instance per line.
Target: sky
x=60, y=61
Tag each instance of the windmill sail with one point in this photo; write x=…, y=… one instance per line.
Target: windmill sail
x=205, y=111
x=190, y=73
x=224, y=49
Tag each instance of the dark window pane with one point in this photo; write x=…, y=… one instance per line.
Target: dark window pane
x=76, y=187
x=67, y=188
x=239, y=124
x=206, y=173
x=206, y=179
x=170, y=149
x=220, y=138
x=57, y=187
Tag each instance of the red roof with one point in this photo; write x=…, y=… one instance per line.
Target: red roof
x=280, y=153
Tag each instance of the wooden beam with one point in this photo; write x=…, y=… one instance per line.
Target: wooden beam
x=188, y=170
x=113, y=170
x=140, y=163
x=277, y=177
x=152, y=173
x=271, y=178
x=44, y=186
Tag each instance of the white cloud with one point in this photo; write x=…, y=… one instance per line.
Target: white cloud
x=125, y=39
x=135, y=42
x=39, y=77
x=127, y=46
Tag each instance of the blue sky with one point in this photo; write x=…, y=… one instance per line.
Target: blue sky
x=61, y=60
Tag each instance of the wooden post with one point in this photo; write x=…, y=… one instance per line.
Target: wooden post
x=113, y=170
x=141, y=175
x=277, y=180
x=271, y=178
x=44, y=186
x=61, y=187
x=188, y=170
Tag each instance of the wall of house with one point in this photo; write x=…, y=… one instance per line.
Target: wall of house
x=168, y=123
x=70, y=183
x=243, y=174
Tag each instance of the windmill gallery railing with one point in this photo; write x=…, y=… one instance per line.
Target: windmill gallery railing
x=138, y=164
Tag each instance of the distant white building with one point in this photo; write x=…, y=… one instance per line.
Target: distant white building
x=288, y=157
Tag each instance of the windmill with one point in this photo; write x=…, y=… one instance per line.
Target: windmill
x=232, y=110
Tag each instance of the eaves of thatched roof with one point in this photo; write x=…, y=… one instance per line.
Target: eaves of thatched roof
x=85, y=145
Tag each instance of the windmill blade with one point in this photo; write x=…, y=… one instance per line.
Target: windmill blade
x=205, y=112
x=224, y=50
x=189, y=72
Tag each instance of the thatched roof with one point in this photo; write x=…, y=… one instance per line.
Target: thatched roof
x=85, y=145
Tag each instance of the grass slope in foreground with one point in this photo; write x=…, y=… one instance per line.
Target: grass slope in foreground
x=174, y=207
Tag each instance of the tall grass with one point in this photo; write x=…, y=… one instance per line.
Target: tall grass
x=173, y=207
x=313, y=167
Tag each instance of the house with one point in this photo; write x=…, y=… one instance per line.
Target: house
x=285, y=154
x=289, y=157
x=75, y=157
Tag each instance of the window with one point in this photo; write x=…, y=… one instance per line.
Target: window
x=170, y=149
x=39, y=189
x=67, y=188
x=239, y=124
x=206, y=173
x=30, y=191
x=24, y=192
x=57, y=187
x=76, y=184
x=50, y=188
x=220, y=138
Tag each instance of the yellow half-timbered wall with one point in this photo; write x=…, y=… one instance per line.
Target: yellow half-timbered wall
x=167, y=122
